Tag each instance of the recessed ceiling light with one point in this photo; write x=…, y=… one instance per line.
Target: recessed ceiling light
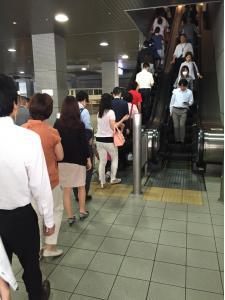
x=14, y=22
x=84, y=69
x=12, y=50
x=125, y=56
x=21, y=72
x=104, y=44
x=61, y=18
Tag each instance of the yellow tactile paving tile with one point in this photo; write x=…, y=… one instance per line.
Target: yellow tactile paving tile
x=120, y=190
x=172, y=195
x=153, y=193
x=192, y=197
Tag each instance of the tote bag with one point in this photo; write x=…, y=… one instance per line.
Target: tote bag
x=118, y=137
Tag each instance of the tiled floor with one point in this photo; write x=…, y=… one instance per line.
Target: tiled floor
x=133, y=249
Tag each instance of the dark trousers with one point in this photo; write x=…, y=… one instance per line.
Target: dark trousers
x=88, y=176
x=20, y=235
x=146, y=104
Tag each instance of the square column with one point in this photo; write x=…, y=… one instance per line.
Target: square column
x=110, y=77
x=49, y=55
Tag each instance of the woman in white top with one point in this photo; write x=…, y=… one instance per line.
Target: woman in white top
x=104, y=138
x=193, y=68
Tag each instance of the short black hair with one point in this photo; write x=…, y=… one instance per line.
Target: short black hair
x=157, y=30
x=146, y=43
x=133, y=85
x=189, y=53
x=117, y=90
x=81, y=96
x=183, y=82
x=183, y=34
x=8, y=95
x=160, y=20
x=41, y=106
x=145, y=65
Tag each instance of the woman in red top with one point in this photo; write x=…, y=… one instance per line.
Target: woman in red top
x=137, y=99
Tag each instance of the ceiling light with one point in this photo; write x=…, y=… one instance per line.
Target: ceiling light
x=84, y=69
x=21, y=72
x=12, y=50
x=125, y=56
x=61, y=18
x=104, y=44
x=14, y=22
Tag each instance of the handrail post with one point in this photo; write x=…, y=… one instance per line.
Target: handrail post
x=137, y=154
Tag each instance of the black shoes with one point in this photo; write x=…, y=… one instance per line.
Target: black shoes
x=45, y=290
x=71, y=221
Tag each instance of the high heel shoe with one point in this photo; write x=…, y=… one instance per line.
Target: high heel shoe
x=71, y=221
x=84, y=215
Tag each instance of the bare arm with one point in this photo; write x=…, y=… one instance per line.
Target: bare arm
x=59, y=152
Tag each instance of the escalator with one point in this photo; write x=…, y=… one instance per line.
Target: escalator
x=204, y=138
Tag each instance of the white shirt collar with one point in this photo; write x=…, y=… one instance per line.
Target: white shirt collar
x=6, y=121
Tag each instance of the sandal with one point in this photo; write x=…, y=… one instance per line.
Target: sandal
x=84, y=215
x=71, y=221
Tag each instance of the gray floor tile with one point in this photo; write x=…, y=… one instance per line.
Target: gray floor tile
x=198, y=295
x=216, y=208
x=132, y=210
x=67, y=238
x=174, y=225
x=20, y=294
x=97, y=228
x=136, y=268
x=129, y=289
x=88, y=242
x=128, y=220
x=113, y=205
x=198, y=209
x=175, y=215
x=141, y=250
x=56, y=260
x=171, y=254
x=206, y=243
x=201, y=229
x=78, y=258
x=105, y=217
x=204, y=280
x=222, y=278
x=150, y=222
x=160, y=291
x=218, y=231
x=59, y=295
x=169, y=274
x=172, y=238
x=65, y=278
x=146, y=235
x=16, y=266
x=78, y=227
x=217, y=220
x=106, y=263
x=221, y=261
x=199, y=218
x=115, y=246
x=121, y=231
x=156, y=204
x=219, y=245
x=176, y=206
x=202, y=259
x=153, y=212
x=80, y=297
x=95, y=284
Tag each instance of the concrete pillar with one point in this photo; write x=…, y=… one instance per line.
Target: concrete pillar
x=49, y=55
x=110, y=77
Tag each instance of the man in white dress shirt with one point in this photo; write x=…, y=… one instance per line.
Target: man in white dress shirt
x=181, y=99
x=145, y=82
x=23, y=176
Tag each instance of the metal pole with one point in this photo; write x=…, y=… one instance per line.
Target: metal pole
x=137, y=154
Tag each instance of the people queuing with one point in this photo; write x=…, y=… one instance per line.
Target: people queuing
x=72, y=169
x=40, y=109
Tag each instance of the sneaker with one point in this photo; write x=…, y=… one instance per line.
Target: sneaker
x=116, y=181
x=49, y=253
x=84, y=215
x=71, y=221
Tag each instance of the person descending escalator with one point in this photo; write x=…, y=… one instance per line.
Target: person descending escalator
x=181, y=99
x=145, y=82
x=184, y=74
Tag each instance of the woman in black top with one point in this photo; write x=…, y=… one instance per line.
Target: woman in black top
x=72, y=169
